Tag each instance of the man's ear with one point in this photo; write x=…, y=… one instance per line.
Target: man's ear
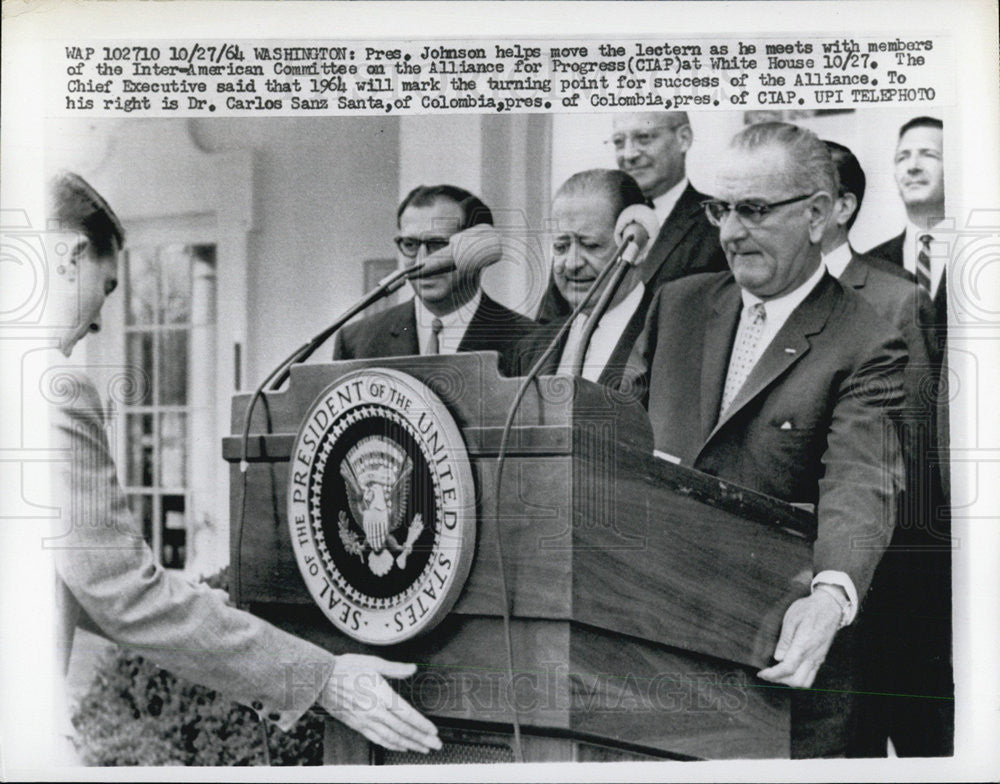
x=820, y=209
x=75, y=259
x=685, y=136
x=845, y=207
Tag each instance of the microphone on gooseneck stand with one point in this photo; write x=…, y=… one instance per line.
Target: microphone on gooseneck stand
x=634, y=228
x=467, y=252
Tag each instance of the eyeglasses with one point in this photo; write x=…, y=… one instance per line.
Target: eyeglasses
x=642, y=139
x=750, y=213
x=410, y=246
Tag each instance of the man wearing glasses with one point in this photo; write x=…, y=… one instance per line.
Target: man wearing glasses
x=449, y=312
x=775, y=377
x=652, y=148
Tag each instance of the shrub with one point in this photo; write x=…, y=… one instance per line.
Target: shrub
x=137, y=714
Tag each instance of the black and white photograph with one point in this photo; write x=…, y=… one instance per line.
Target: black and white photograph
x=595, y=397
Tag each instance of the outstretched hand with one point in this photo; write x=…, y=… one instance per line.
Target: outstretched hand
x=358, y=695
x=807, y=632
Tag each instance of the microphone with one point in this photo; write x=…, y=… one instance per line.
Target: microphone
x=636, y=225
x=470, y=251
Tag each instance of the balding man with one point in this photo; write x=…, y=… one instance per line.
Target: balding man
x=583, y=216
x=652, y=148
x=775, y=377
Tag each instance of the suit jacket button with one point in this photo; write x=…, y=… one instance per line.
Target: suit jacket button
x=257, y=705
x=274, y=716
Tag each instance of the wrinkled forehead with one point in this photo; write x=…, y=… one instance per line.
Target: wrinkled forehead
x=763, y=173
x=586, y=212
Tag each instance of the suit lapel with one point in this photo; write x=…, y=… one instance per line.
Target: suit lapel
x=551, y=364
x=855, y=274
x=719, y=333
x=477, y=333
x=613, y=370
x=941, y=305
x=679, y=222
x=402, y=339
x=787, y=348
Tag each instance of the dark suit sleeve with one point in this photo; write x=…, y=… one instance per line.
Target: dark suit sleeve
x=862, y=466
x=189, y=629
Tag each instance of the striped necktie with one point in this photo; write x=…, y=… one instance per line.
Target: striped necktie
x=924, y=263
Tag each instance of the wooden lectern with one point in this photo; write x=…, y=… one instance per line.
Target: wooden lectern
x=644, y=595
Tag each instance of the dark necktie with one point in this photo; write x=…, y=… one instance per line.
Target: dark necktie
x=924, y=263
x=432, y=344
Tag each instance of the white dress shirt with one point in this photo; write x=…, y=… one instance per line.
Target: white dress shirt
x=836, y=260
x=938, y=256
x=453, y=325
x=664, y=204
x=605, y=338
x=778, y=309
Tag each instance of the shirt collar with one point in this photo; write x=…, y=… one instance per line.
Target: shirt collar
x=836, y=260
x=664, y=204
x=453, y=325
x=780, y=308
x=461, y=316
x=914, y=232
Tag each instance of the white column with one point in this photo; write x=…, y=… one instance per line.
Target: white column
x=203, y=524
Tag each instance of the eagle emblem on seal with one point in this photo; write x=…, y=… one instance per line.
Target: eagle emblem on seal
x=377, y=475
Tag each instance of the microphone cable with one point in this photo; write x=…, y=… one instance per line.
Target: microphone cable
x=501, y=457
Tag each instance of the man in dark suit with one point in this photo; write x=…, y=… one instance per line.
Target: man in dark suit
x=889, y=289
x=919, y=175
x=906, y=627
x=775, y=377
x=652, y=148
x=584, y=212
x=449, y=312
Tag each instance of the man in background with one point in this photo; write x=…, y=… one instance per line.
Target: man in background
x=919, y=172
x=909, y=617
x=449, y=312
x=652, y=147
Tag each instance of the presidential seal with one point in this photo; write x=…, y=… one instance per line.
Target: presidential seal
x=381, y=506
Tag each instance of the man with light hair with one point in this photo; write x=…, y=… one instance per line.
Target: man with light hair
x=775, y=377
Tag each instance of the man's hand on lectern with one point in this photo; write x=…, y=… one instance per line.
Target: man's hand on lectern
x=358, y=695
x=807, y=632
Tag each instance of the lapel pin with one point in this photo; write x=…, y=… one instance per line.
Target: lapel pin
x=786, y=425
x=789, y=350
